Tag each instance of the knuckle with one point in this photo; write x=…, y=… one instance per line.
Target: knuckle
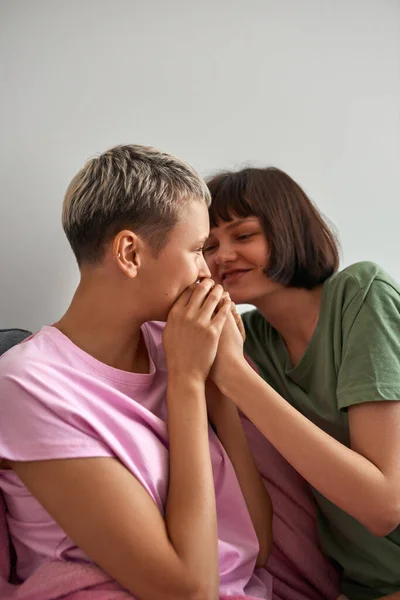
x=209, y=332
x=206, y=282
x=214, y=295
x=197, y=324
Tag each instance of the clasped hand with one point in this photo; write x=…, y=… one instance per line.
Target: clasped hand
x=203, y=333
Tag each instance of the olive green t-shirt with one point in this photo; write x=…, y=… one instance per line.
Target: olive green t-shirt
x=353, y=357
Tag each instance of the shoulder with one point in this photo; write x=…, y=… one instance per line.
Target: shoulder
x=39, y=370
x=366, y=272
x=365, y=298
x=20, y=360
x=359, y=281
x=49, y=407
x=27, y=381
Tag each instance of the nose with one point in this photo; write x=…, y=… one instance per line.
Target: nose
x=223, y=254
x=219, y=258
x=204, y=271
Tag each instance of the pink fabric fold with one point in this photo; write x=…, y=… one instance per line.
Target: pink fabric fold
x=299, y=568
x=61, y=580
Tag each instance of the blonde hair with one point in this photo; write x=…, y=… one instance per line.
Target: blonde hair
x=129, y=186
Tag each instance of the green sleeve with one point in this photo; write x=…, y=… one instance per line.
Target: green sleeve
x=370, y=365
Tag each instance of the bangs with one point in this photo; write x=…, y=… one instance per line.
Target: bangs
x=303, y=250
x=228, y=198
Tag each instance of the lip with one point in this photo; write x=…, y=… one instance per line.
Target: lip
x=233, y=275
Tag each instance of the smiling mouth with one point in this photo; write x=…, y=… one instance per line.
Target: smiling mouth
x=234, y=275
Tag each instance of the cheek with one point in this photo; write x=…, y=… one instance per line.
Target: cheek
x=182, y=271
x=260, y=255
x=180, y=277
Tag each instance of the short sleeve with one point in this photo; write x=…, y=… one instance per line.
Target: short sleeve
x=370, y=367
x=38, y=422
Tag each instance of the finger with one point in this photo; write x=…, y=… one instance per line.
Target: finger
x=212, y=302
x=200, y=293
x=224, y=295
x=235, y=314
x=222, y=314
x=185, y=296
x=241, y=327
x=238, y=321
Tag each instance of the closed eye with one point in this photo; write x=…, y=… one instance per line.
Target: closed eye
x=209, y=249
x=245, y=236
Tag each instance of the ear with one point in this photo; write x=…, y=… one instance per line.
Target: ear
x=127, y=250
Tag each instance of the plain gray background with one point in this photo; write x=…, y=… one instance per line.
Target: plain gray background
x=311, y=86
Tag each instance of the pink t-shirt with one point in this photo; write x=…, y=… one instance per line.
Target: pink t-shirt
x=56, y=401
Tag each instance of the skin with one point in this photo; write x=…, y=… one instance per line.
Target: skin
x=177, y=556
x=364, y=480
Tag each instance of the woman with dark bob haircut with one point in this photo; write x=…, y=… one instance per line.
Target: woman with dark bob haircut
x=326, y=344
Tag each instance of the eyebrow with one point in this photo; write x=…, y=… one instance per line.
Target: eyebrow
x=236, y=223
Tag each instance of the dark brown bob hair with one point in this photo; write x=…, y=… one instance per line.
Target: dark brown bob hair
x=303, y=250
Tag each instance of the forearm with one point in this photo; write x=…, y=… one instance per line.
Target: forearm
x=190, y=511
x=346, y=478
x=230, y=432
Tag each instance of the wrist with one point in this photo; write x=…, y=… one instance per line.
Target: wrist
x=186, y=401
x=188, y=381
x=233, y=373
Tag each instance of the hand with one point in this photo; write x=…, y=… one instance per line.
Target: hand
x=217, y=403
x=230, y=347
x=193, y=329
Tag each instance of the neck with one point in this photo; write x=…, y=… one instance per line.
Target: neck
x=294, y=313
x=98, y=324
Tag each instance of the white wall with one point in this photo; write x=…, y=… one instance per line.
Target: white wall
x=312, y=86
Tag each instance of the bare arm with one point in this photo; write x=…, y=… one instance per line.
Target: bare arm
x=363, y=480
x=224, y=416
x=190, y=341
x=190, y=511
